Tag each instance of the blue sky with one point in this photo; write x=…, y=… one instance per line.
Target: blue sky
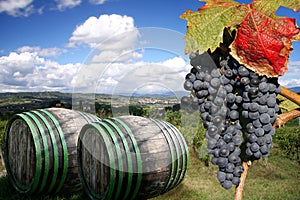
x=59, y=45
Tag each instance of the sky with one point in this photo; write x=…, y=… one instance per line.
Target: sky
x=101, y=46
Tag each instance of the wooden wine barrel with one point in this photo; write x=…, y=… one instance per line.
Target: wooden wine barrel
x=40, y=150
x=131, y=157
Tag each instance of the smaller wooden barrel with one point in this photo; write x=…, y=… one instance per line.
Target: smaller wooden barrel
x=40, y=151
x=131, y=157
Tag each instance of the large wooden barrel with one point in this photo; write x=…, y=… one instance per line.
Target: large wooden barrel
x=40, y=150
x=131, y=157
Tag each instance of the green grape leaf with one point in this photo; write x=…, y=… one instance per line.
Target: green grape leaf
x=205, y=26
x=269, y=8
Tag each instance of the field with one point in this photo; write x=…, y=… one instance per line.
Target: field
x=275, y=179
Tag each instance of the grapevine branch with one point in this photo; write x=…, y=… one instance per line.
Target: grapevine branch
x=287, y=116
x=238, y=195
x=294, y=97
x=281, y=120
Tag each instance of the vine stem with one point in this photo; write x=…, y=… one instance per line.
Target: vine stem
x=238, y=194
x=285, y=117
x=281, y=120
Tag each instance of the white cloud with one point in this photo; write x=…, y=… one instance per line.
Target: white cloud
x=106, y=32
x=129, y=77
x=289, y=83
x=17, y=8
x=97, y=2
x=292, y=76
x=27, y=71
x=64, y=4
x=116, y=56
x=44, y=52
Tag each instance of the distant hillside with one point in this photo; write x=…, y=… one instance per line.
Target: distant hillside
x=295, y=89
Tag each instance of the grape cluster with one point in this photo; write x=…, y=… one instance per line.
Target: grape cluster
x=232, y=99
x=261, y=109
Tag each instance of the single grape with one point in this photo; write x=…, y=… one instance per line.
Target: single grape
x=271, y=102
x=250, y=128
x=207, y=77
x=231, y=146
x=253, y=115
x=268, y=138
x=200, y=76
x=254, y=81
x=264, y=118
x=230, y=98
x=253, y=91
x=221, y=176
x=253, y=107
x=237, y=140
x=219, y=101
x=221, y=92
x=264, y=149
x=228, y=88
x=263, y=100
x=188, y=85
x=254, y=147
x=211, y=143
x=238, y=170
x=212, y=90
x=235, y=180
x=246, y=106
x=243, y=71
x=271, y=112
x=238, y=99
x=263, y=87
x=233, y=158
x=257, y=155
x=215, y=82
x=224, y=80
x=228, y=137
x=259, y=132
x=229, y=175
x=212, y=131
x=272, y=87
x=227, y=184
x=234, y=114
x=263, y=109
x=224, y=151
x=267, y=127
x=252, y=138
x=190, y=77
x=222, y=162
x=197, y=85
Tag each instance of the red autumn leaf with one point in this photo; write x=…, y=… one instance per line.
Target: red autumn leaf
x=263, y=44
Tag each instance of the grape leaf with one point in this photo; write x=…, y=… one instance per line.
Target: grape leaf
x=269, y=8
x=205, y=26
x=263, y=43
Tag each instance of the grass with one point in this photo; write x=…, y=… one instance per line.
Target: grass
x=275, y=179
